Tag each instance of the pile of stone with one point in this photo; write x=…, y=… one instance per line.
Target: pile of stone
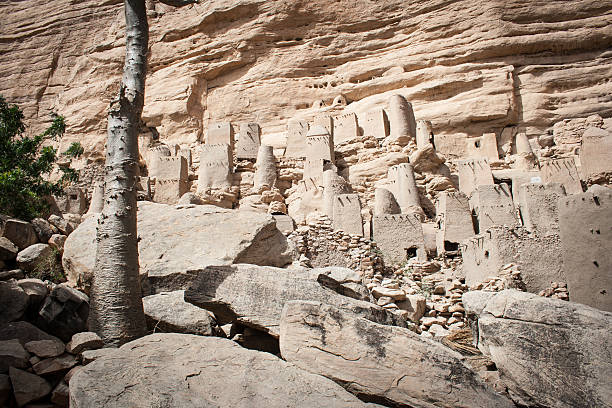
x=36, y=320
x=508, y=277
x=37, y=367
x=33, y=249
x=319, y=245
x=57, y=309
x=445, y=310
x=557, y=290
x=423, y=294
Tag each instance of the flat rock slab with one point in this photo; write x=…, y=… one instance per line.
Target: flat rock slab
x=55, y=365
x=176, y=243
x=92, y=355
x=391, y=365
x=549, y=352
x=45, y=348
x=28, y=387
x=168, y=312
x=254, y=296
x=24, y=332
x=188, y=371
x=12, y=354
x=84, y=341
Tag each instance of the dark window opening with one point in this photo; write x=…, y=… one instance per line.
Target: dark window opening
x=596, y=264
x=154, y=133
x=486, y=254
x=73, y=196
x=411, y=252
x=451, y=246
x=508, y=181
x=475, y=222
x=477, y=143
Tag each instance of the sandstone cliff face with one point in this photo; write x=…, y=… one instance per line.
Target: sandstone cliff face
x=469, y=67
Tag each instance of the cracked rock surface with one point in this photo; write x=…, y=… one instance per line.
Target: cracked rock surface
x=542, y=350
x=389, y=365
x=182, y=370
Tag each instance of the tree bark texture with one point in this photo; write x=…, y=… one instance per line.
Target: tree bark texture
x=116, y=311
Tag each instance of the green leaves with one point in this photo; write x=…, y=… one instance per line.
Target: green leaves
x=75, y=150
x=25, y=164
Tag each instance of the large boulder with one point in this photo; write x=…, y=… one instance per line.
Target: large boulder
x=390, y=365
x=13, y=302
x=64, y=312
x=254, y=296
x=12, y=354
x=20, y=233
x=39, y=259
x=168, y=312
x=28, y=387
x=177, y=242
x=548, y=352
x=62, y=224
x=36, y=290
x=8, y=250
x=188, y=371
x=44, y=230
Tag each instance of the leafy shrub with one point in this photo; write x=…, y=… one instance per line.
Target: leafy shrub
x=25, y=164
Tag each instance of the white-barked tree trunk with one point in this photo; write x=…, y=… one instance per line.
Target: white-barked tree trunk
x=116, y=311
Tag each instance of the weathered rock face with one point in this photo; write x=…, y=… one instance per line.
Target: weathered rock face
x=45, y=348
x=502, y=63
x=37, y=257
x=549, y=352
x=13, y=302
x=181, y=370
x=64, y=312
x=12, y=354
x=168, y=312
x=176, y=243
x=25, y=332
x=255, y=296
x=84, y=341
x=20, y=233
x=390, y=365
x=8, y=250
x=28, y=387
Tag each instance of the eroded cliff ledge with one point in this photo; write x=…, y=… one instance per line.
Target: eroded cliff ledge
x=469, y=67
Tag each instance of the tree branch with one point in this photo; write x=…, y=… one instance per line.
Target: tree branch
x=178, y=3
